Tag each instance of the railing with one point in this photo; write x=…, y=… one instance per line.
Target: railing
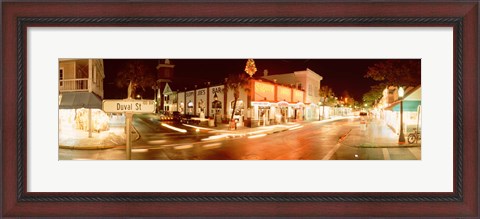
x=74, y=84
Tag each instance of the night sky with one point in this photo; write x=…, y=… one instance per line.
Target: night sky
x=339, y=74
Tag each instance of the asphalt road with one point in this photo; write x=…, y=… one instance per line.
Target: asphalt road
x=174, y=141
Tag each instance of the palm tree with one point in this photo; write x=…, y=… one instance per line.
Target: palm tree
x=235, y=82
x=135, y=74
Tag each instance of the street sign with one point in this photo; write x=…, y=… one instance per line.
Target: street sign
x=128, y=106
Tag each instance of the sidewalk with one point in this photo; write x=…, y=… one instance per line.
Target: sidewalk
x=375, y=135
x=79, y=140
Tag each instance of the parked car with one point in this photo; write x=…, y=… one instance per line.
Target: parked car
x=177, y=116
x=188, y=119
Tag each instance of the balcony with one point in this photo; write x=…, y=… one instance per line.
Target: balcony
x=69, y=85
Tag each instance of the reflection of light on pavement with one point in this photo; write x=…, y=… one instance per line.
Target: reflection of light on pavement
x=334, y=119
x=139, y=150
x=214, y=137
x=296, y=127
x=181, y=147
x=157, y=141
x=212, y=145
x=257, y=136
x=196, y=127
x=174, y=128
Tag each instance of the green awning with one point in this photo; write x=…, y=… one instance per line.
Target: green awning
x=76, y=100
x=408, y=106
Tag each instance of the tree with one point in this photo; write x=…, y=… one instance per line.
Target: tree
x=236, y=82
x=347, y=99
x=375, y=93
x=396, y=72
x=135, y=74
x=328, y=97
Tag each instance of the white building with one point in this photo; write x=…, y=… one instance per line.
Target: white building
x=81, y=75
x=170, y=99
x=265, y=103
x=306, y=80
x=80, y=88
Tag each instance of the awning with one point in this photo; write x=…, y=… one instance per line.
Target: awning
x=408, y=106
x=76, y=100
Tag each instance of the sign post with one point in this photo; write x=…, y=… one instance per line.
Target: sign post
x=128, y=121
x=129, y=107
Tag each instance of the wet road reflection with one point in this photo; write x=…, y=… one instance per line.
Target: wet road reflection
x=174, y=141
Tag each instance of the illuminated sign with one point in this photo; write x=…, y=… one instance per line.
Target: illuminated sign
x=283, y=104
x=201, y=92
x=217, y=89
x=189, y=93
x=264, y=91
x=265, y=104
x=284, y=93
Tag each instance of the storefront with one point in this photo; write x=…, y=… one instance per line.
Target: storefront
x=216, y=98
x=181, y=102
x=190, y=100
x=312, y=112
x=276, y=104
x=411, y=112
x=284, y=111
x=299, y=110
x=411, y=116
x=262, y=113
x=201, y=102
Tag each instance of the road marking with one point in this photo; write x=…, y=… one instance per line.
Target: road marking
x=139, y=150
x=416, y=152
x=386, y=155
x=331, y=152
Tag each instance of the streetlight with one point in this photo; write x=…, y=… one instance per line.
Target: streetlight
x=216, y=105
x=401, y=138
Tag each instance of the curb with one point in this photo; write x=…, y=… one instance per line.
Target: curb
x=136, y=133
x=386, y=146
x=343, y=137
x=86, y=147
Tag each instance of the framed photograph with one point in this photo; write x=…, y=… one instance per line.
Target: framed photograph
x=278, y=160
